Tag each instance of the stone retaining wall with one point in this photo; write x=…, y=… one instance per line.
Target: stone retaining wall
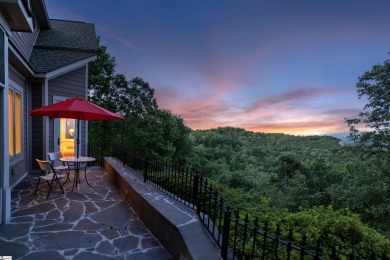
x=176, y=226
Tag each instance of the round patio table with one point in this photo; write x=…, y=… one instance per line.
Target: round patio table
x=77, y=161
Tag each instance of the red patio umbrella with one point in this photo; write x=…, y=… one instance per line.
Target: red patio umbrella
x=76, y=108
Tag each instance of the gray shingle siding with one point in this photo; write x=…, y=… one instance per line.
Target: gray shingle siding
x=36, y=126
x=24, y=42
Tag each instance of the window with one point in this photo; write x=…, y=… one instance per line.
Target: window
x=15, y=122
x=2, y=59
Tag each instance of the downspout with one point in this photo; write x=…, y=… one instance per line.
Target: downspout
x=86, y=141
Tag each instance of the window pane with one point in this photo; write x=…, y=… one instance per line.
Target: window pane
x=11, y=121
x=18, y=123
x=2, y=57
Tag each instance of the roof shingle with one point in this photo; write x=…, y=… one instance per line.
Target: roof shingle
x=66, y=42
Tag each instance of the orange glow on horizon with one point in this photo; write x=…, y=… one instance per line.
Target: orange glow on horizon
x=290, y=129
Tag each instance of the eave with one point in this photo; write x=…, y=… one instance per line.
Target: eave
x=18, y=17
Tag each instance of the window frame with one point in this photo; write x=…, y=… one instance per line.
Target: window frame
x=17, y=156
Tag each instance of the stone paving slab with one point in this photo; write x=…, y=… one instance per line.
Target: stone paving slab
x=88, y=223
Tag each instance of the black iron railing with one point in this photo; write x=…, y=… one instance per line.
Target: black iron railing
x=236, y=235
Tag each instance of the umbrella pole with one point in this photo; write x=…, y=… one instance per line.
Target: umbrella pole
x=78, y=137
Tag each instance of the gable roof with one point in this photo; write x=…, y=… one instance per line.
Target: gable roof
x=66, y=42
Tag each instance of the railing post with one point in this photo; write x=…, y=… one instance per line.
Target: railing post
x=124, y=156
x=195, y=192
x=101, y=155
x=146, y=169
x=226, y=233
x=333, y=255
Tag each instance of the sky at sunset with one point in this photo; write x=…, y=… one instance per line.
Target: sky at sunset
x=263, y=65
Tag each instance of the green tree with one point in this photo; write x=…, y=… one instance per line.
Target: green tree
x=102, y=78
x=101, y=91
x=159, y=135
x=136, y=98
x=375, y=117
x=365, y=190
x=146, y=129
x=288, y=167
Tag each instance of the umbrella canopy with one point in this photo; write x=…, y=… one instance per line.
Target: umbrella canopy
x=76, y=108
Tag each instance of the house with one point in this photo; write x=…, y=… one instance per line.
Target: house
x=42, y=61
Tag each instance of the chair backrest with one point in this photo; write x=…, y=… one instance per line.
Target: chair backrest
x=44, y=165
x=54, y=156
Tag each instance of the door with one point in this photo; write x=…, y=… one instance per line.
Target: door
x=67, y=136
x=64, y=133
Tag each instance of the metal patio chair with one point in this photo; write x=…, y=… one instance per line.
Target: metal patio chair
x=48, y=174
x=54, y=157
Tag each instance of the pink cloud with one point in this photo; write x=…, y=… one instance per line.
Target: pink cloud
x=279, y=114
x=121, y=40
x=311, y=126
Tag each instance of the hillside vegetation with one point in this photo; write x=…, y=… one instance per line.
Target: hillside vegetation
x=293, y=173
x=312, y=184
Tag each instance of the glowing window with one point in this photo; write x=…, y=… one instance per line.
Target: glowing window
x=15, y=118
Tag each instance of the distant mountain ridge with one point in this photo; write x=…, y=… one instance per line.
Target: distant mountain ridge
x=224, y=143
x=342, y=136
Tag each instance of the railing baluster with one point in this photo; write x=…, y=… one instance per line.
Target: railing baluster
x=182, y=188
x=318, y=250
x=255, y=229
x=124, y=156
x=167, y=177
x=203, y=199
x=289, y=244
x=276, y=241
x=220, y=214
x=209, y=205
x=179, y=188
x=237, y=216
x=146, y=169
x=226, y=233
x=188, y=185
x=171, y=180
x=265, y=240
x=160, y=172
x=333, y=255
x=214, y=213
x=195, y=193
x=303, y=245
x=246, y=221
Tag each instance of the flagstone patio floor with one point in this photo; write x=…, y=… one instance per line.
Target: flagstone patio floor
x=88, y=223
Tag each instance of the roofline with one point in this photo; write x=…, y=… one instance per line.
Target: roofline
x=66, y=69
x=72, y=21
x=57, y=48
x=52, y=74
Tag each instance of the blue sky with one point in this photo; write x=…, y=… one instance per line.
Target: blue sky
x=266, y=66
